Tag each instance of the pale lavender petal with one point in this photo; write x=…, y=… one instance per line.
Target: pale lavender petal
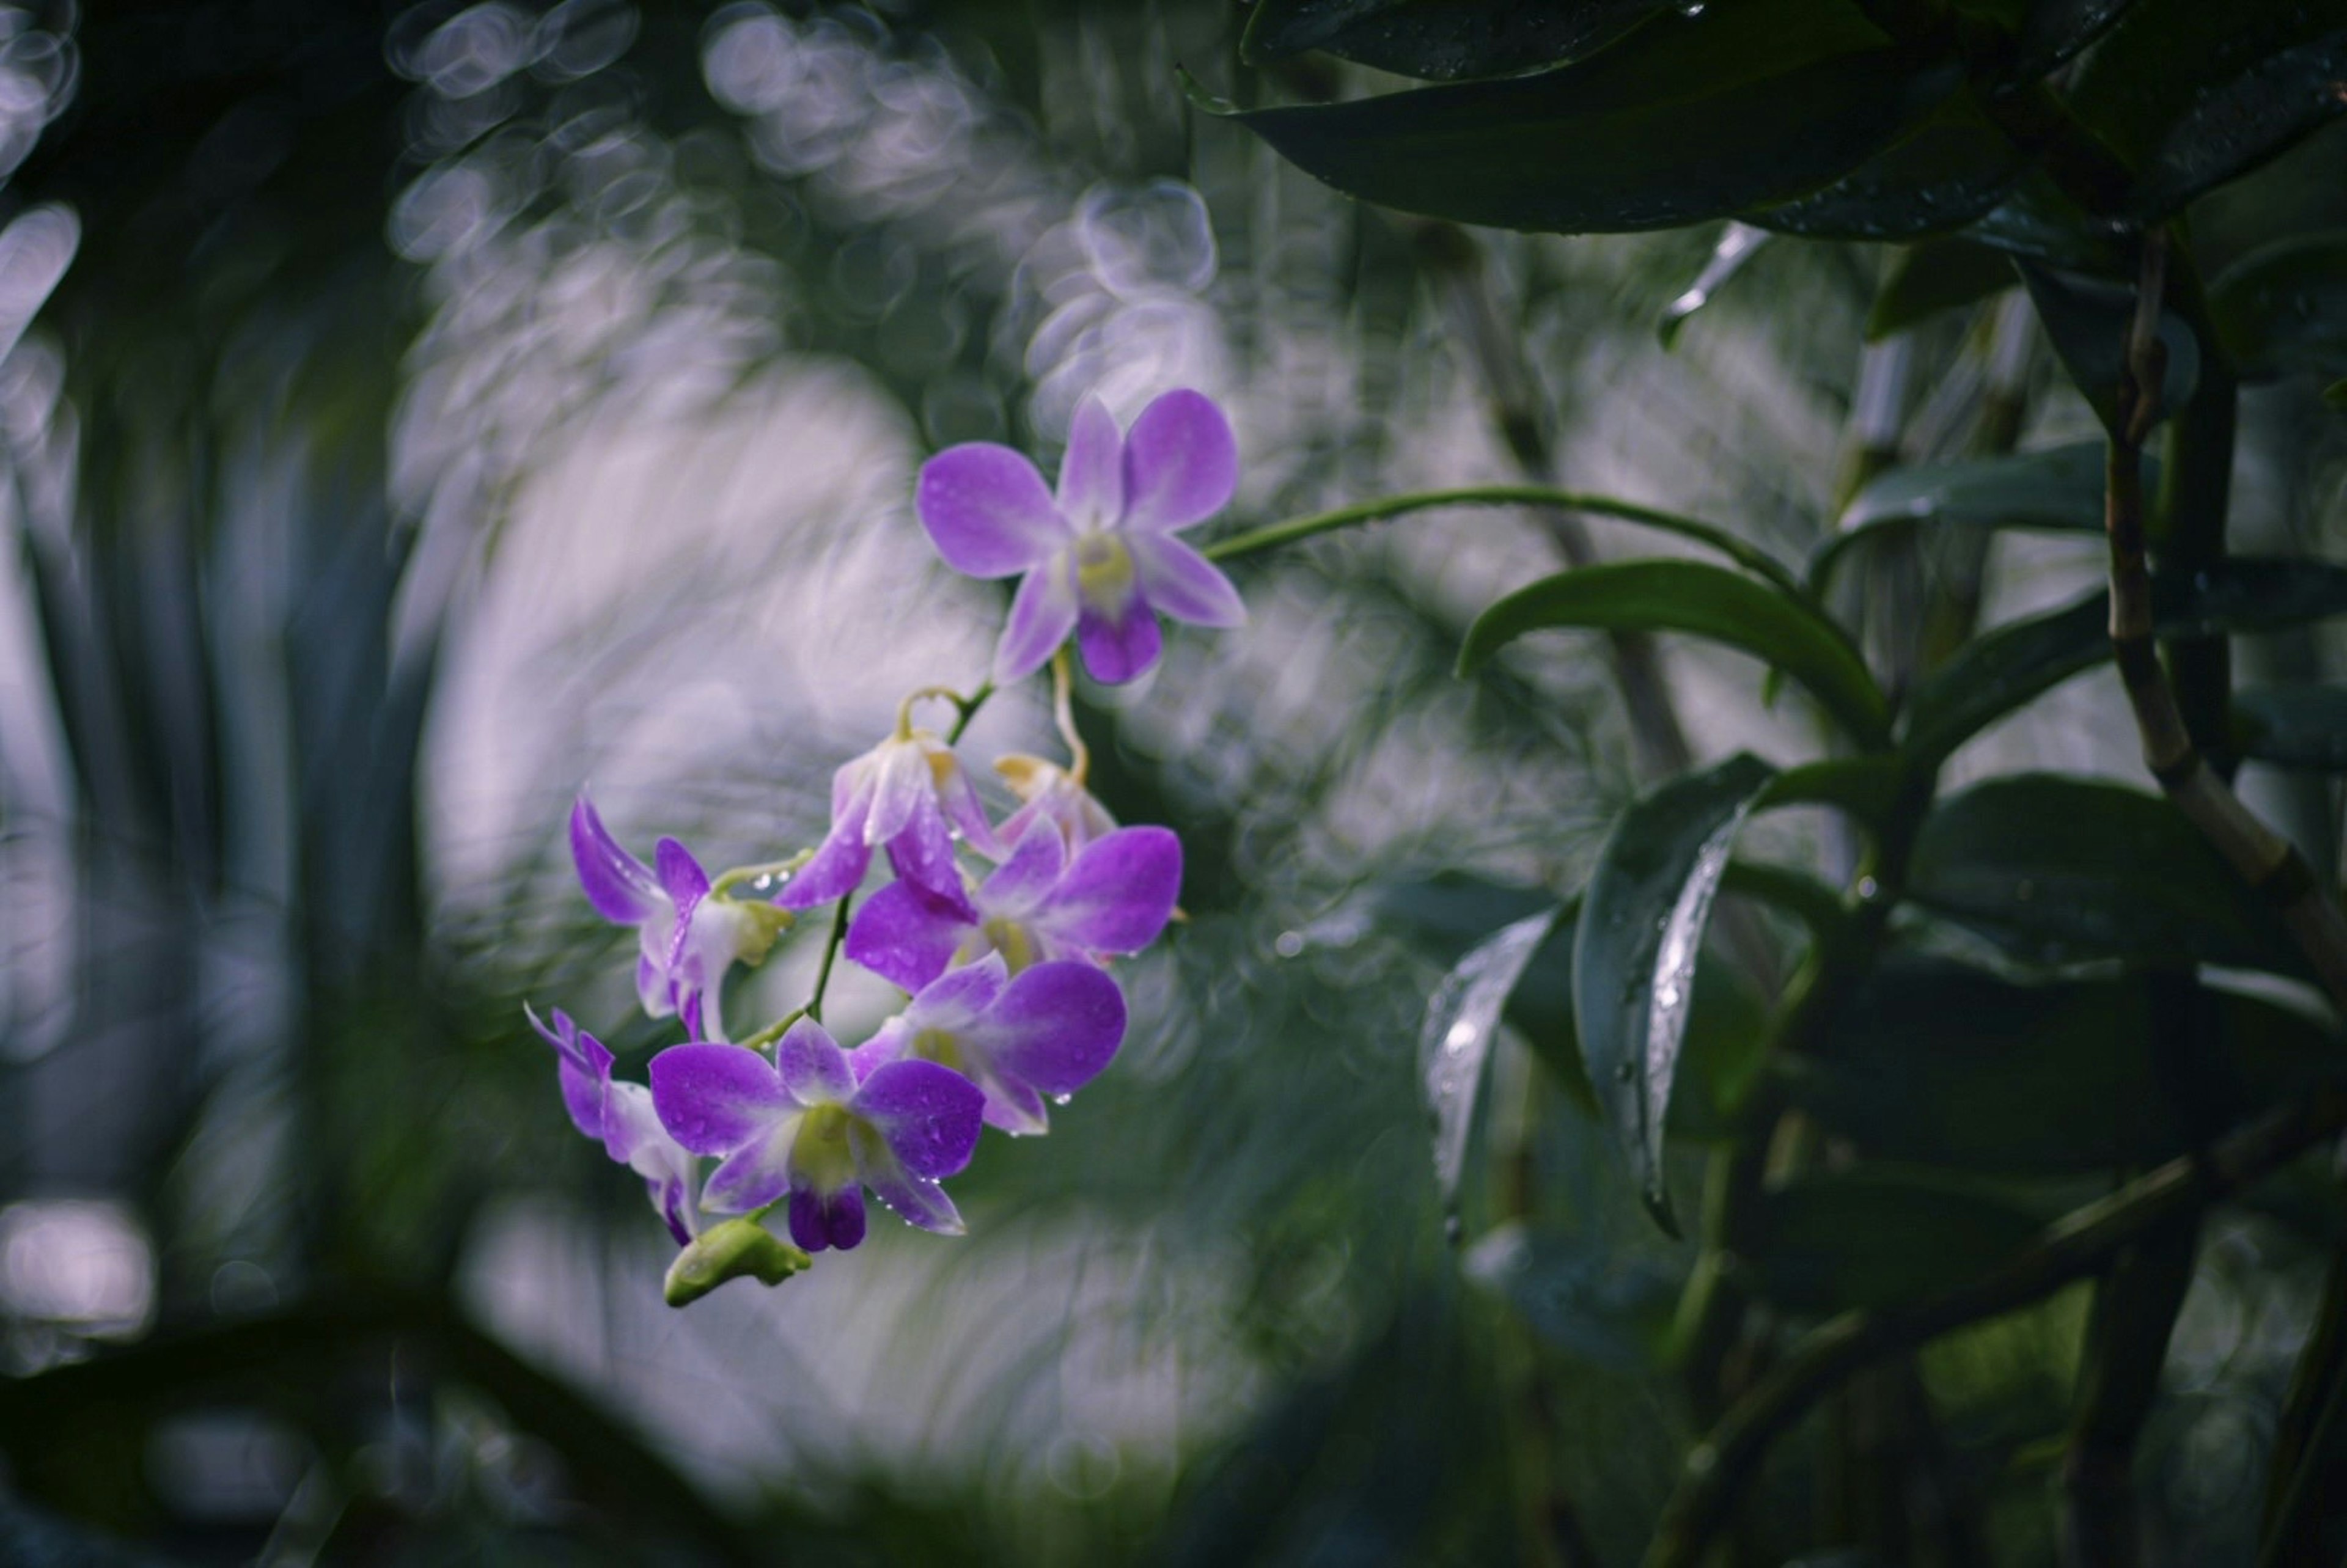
x=821, y=1220
x=1092, y=474
x=837, y=870
x=917, y=1201
x=1122, y=642
x=619, y=885
x=1055, y=1026
x=888, y=1043
x=673, y=1199
x=811, y=1066
x=903, y=936
x=754, y=1174
x=1180, y=582
x=923, y=854
x=636, y=1139
x=955, y=998
x=1118, y=893
x=987, y=510
x=927, y=1115
x=708, y=941
x=652, y=988
x=714, y=1098
x=957, y=797
x=1016, y=1108
x=1042, y=616
x=1181, y=464
x=905, y=782
x=1026, y=879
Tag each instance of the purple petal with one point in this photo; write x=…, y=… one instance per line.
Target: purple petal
x=905, y=781
x=1183, y=584
x=1120, y=643
x=1026, y=879
x=1055, y=1026
x=1092, y=474
x=652, y=988
x=927, y=1115
x=903, y=936
x=714, y=1098
x=811, y=1066
x=1042, y=616
x=681, y=875
x=754, y=1174
x=923, y=854
x=916, y=1201
x=987, y=510
x=837, y=870
x=583, y=1067
x=1181, y=464
x=957, y=798
x=1016, y=1109
x=888, y=1042
x=955, y=998
x=618, y=884
x=1118, y=893
x=674, y=1202
x=820, y=1220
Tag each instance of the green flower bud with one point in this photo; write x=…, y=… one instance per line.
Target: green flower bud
x=729, y=1251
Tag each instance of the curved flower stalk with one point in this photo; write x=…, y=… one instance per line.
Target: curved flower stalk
x=1046, y=1032
x=1108, y=900
x=1098, y=558
x=620, y=1117
x=910, y=795
x=688, y=936
x=804, y=1127
x=1049, y=792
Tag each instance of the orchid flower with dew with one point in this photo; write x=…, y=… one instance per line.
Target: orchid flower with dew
x=802, y=1126
x=689, y=937
x=622, y=1117
x=1108, y=898
x=1046, y=1032
x=1049, y=792
x=910, y=795
x=1099, y=558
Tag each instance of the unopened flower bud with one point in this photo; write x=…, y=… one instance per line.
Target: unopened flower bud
x=730, y=1250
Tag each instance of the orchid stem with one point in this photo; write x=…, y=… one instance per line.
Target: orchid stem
x=966, y=709
x=738, y=875
x=775, y=1030
x=1064, y=713
x=814, y=1008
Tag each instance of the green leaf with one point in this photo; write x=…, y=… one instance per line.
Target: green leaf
x=1870, y=1238
x=1936, y=275
x=1455, y=1041
x=1737, y=244
x=1689, y=118
x=2059, y=489
x=2282, y=308
x=1634, y=952
x=1938, y=1064
x=1704, y=600
x=1442, y=40
x=1866, y=787
x=2054, y=31
x=2086, y=320
x=2038, y=222
x=2335, y=393
x=1952, y=168
x=2004, y=667
x=1592, y=1302
x=2059, y=870
x=2191, y=94
x=2293, y=726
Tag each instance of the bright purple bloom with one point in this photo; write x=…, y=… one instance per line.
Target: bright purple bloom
x=1048, y=1031
x=1049, y=792
x=802, y=1125
x=1100, y=559
x=688, y=939
x=620, y=1116
x=1111, y=897
x=908, y=792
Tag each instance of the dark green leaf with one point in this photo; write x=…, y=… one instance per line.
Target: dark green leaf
x=2059, y=870
x=1633, y=955
x=1947, y=171
x=1874, y=1238
x=1455, y=1041
x=2282, y=308
x=1936, y=275
x=2059, y=489
x=1442, y=40
x=2087, y=322
x=2191, y=94
x=1738, y=243
x=2335, y=393
x=2038, y=222
x=1593, y=1303
x=1938, y=1064
x=1865, y=787
x=2294, y=726
x=1706, y=600
x=1689, y=118
x=2055, y=30
x=2002, y=669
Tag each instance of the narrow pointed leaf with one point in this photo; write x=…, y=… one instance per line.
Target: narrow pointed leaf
x=1936, y=275
x=2293, y=726
x=1737, y=244
x=1442, y=40
x=2058, y=489
x=1634, y=952
x=2086, y=320
x=1949, y=169
x=2282, y=308
x=1705, y=601
x=1455, y=1041
x=1866, y=787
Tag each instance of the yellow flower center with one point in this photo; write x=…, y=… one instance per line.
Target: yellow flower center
x=1103, y=570
x=820, y=1151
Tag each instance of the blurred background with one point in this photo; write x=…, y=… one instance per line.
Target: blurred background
x=410, y=414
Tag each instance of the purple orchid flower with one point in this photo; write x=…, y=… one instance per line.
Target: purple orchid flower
x=1108, y=898
x=1049, y=792
x=1048, y=1031
x=620, y=1116
x=689, y=939
x=1100, y=559
x=908, y=792
x=802, y=1125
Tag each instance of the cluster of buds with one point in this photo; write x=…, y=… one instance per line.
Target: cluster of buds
x=998, y=933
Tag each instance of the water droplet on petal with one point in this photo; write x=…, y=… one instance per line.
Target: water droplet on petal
x=1061, y=1098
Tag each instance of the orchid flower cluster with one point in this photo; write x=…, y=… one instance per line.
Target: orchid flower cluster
x=999, y=932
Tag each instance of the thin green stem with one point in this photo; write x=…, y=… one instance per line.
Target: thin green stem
x=814, y=1008
x=1748, y=556
x=966, y=709
x=775, y=1030
x=735, y=875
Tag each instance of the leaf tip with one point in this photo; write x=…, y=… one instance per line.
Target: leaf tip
x=1200, y=98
